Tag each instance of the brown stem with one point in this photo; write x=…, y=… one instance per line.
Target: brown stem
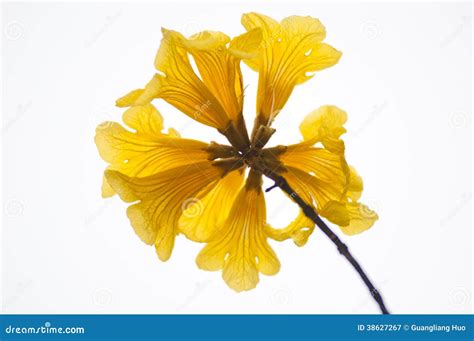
x=342, y=248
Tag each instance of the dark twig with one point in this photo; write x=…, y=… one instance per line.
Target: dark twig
x=342, y=248
x=270, y=188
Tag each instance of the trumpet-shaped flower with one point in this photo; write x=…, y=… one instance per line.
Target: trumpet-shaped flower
x=210, y=192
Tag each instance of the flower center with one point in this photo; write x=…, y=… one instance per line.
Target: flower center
x=255, y=158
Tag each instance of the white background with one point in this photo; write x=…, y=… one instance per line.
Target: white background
x=404, y=79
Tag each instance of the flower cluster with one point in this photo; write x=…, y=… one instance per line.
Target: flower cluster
x=210, y=192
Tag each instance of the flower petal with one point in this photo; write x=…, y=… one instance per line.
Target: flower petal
x=106, y=190
x=178, y=84
x=336, y=212
x=160, y=200
x=299, y=230
x=325, y=125
x=247, y=45
x=269, y=27
x=147, y=150
x=201, y=218
x=361, y=218
x=318, y=162
x=141, y=96
x=356, y=185
x=181, y=87
x=321, y=176
x=321, y=191
x=240, y=246
x=219, y=69
x=335, y=200
x=290, y=51
x=145, y=120
x=320, y=173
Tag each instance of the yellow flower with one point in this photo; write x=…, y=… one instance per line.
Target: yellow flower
x=203, y=190
x=292, y=51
